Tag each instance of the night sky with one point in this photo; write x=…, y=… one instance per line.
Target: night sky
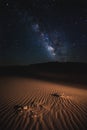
x=33, y=31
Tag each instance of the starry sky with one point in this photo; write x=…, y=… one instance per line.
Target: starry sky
x=35, y=31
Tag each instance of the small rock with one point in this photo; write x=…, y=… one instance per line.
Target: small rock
x=18, y=108
x=25, y=107
x=35, y=116
x=55, y=95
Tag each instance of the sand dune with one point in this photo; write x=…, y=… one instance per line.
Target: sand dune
x=46, y=106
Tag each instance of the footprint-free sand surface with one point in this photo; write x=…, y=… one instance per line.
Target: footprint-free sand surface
x=44, y=105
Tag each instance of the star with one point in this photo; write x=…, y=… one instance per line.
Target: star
x=54, y=0
x=7, y=4
x=74, y=44
x=76, y=22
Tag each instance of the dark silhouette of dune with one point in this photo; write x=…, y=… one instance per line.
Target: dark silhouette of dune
x=52, y=71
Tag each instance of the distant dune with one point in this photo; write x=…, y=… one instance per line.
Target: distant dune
x=29, y=104
x=67, y=72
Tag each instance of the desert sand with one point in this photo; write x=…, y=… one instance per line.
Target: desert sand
x=45, y=105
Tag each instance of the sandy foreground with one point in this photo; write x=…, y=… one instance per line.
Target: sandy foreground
x=46, y=106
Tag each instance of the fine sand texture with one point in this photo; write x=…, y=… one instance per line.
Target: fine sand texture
x=29, y=104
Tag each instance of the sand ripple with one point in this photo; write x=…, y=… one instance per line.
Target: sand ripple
x=44, y=111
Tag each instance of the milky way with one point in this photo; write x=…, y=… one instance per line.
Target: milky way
x=44, y=39
x=52, y=43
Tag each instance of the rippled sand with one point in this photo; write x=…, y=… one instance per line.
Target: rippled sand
x=43, y=109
